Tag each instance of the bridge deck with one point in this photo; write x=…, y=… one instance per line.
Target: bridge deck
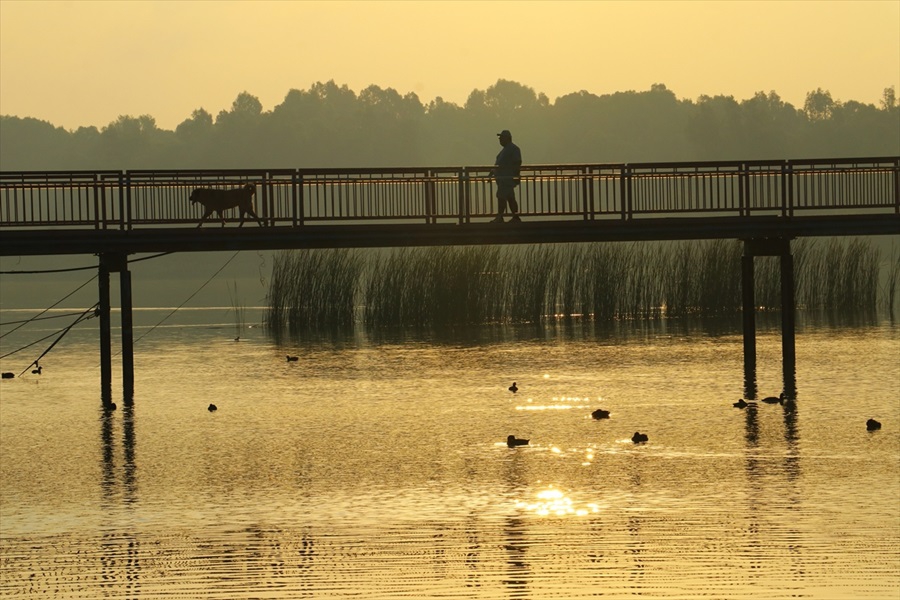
x=150, y=211
x=22, y=243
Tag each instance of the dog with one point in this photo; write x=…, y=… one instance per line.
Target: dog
x=222, y=200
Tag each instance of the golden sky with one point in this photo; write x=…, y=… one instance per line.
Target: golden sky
x=85, y=63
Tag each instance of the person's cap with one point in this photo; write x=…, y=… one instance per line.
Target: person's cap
x=504, y=133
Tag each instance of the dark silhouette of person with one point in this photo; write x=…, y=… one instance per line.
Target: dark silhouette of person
x=506, y=175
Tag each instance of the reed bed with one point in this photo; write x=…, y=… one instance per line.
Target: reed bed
x=840, y=276
x=313, y=289
x=436, y=286
x=442, y=287
x=891, y=285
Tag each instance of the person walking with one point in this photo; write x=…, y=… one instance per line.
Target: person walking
x=506, y=175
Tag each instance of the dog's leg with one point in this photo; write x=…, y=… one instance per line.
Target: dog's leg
x=253, y=214
x=204, y=217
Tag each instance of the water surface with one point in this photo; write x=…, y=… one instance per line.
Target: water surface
x=375, y=466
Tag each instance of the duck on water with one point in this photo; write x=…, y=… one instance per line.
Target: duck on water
x=512, y=441
x=773, y=400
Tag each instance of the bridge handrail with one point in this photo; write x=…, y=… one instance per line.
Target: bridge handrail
x=142, y=198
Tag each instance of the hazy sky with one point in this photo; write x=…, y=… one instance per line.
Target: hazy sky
x=86, y=63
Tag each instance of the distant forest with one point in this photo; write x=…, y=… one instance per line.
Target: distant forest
x=330, y=125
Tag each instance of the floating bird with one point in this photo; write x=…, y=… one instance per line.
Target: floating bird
x=600, y=414
x=513, y=388
x=639, y=437
x=872, y=425
x=292, y=358
x=512, y=441
x=742, y=403
x=8, y=375
x=212, y=407
x=773, y=400
x=38, y=370
x=110, y=406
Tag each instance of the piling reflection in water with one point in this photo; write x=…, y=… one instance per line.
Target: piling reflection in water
x=120, y=549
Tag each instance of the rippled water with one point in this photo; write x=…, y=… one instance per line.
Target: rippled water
x=377, y=468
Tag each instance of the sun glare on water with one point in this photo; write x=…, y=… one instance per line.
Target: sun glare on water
x=553, y=502
x=556, y=403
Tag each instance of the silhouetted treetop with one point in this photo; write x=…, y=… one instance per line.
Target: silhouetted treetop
x=330, y=125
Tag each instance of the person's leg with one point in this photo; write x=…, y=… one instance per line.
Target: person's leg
x=501, y=204
x=513, y=205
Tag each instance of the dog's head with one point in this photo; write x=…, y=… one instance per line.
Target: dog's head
x=250, y=188
x=195, y=195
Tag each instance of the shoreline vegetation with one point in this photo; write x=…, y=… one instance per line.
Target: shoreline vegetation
x=330, y=125
x=456, y=286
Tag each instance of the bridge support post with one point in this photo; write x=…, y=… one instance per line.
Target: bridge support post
x=127, y=335
x=105, y=333
x=788, y=352
x=109, y=263
x=782, y=249
x=749, y=319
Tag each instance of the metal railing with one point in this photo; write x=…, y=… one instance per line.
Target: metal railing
x=296, y=197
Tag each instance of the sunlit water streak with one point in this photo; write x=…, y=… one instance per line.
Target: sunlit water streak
x=379, y=468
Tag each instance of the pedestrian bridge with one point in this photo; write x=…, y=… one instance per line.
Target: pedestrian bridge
x=764, y=203
x=128, y=212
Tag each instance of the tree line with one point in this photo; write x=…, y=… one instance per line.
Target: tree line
x=330, y=125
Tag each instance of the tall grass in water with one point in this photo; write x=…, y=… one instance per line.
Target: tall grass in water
x=892, y=281
x=532, y=283
x=652, y=280
x=699, y=278
x=439, y=286
x=605, y=269
x=443, y=287
x=838, y=276
x=313, y=289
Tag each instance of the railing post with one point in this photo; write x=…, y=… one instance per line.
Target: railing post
x=429, y=197
x=464, y=216
x=743, y=190
x=625, y=191
x=125, y=201
x=787, y=189
x=897, y=186
x=99, y=205
x=265, y=210
x=297, y=197
x=587, y=194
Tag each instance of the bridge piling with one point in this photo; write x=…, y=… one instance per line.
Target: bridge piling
x=118, y=263
x=127, y=335
x=781, y=248
x=788, y=352
x=748, y=313
x=105, y=333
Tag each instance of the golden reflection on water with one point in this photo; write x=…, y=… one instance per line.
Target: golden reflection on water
x=556, y=403
x=379, y=471
x=553, y=501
